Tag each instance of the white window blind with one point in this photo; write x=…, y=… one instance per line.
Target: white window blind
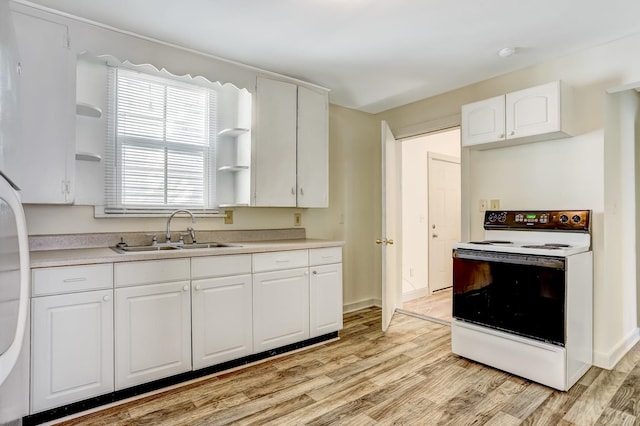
x=160, y=144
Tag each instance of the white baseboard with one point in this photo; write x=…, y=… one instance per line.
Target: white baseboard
x=356, y=306
x=609, y=359
x=415, y=294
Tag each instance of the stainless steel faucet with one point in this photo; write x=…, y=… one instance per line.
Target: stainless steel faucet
x=168, y=235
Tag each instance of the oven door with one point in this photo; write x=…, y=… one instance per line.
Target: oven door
x=516, y=293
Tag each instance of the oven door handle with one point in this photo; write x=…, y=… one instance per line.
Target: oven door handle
x=513, y=258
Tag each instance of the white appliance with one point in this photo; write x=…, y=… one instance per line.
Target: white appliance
x=522, y=298
x=14, y=252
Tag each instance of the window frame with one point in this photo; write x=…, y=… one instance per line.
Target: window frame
x=114, y=205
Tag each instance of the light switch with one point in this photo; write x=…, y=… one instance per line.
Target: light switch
x=483, y=206
x=494, y=205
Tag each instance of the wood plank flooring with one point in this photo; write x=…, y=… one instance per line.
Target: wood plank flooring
x=407, y=376
x=436, y=305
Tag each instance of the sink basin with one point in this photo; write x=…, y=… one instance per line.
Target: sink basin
x=136, y=249
x=133, y=249
x=207, y=245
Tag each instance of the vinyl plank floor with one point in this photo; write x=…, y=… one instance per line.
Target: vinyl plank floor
x=407, y=376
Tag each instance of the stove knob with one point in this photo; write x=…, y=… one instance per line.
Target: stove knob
x=576, y=218
x=492, y=217
x=564, y=218
x=503, y=217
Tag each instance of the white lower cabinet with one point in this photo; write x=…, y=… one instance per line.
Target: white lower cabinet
x=72, y=348
x=325, y=288
x=152, y=322
x=221, y=301
x=280, y=299
x=165, y=317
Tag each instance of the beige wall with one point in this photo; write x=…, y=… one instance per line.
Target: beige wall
x=562, y=173
x=354, y=203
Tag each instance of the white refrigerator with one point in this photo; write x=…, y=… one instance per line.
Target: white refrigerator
x=14, y=252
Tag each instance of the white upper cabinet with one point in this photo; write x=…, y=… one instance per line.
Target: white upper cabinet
x=530, y=115
x=275, y=150
x=313, y=149
x=483, y=121
x=292, y=146
x=48, y=108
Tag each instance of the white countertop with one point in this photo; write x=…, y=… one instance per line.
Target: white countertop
x=84, y=256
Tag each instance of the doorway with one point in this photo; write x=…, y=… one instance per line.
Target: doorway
x=430, y=222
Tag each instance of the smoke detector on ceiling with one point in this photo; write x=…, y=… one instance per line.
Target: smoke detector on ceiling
x=505, y=52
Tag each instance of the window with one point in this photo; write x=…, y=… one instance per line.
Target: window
x=160, y=144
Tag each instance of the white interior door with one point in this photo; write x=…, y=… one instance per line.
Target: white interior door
x=444, y=217
x=391, y=226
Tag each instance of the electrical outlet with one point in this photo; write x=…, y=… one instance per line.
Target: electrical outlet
x=297, y=219
x=483, y=206
x=494, y=204
x=228, y=218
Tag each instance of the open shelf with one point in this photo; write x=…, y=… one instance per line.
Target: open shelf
x=88, y=156
x=232, y=168
x=87, y=110
x=233, y=131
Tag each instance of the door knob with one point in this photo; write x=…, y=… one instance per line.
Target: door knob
x=385, y=241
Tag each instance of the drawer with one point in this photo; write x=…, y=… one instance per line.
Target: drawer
x=276, y=260
x=220, y=266
x=71, y=279
x=325, y=256
x=151, y=272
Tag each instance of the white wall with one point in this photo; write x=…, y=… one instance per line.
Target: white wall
x=577, y=172
x=415, y=206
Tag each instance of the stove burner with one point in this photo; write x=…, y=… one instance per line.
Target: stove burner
x=544, y=246
x=489, y=242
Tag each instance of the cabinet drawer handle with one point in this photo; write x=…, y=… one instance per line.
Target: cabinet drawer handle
x=315, y=272
x=106, y=298
x=74, y=280
x=282, y=260
x=328, y=257
x=185, y=288
x=198, y=287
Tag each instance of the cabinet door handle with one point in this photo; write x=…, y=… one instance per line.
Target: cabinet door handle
x=74, y=280
x=106, y=298
x=314, y=272
x=185, y=288
x=301, y=191
x=293, y=191
x=513, y=132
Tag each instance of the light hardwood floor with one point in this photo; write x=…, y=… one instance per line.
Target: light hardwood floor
x=407, y=376
x=436, y=305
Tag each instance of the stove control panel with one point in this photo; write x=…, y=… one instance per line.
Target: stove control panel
x=563, y=220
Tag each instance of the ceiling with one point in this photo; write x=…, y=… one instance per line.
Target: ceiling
x=373, y=54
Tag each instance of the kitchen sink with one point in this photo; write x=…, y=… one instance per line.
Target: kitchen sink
x=152, y=248
x=207, y=245
x=133, y=249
